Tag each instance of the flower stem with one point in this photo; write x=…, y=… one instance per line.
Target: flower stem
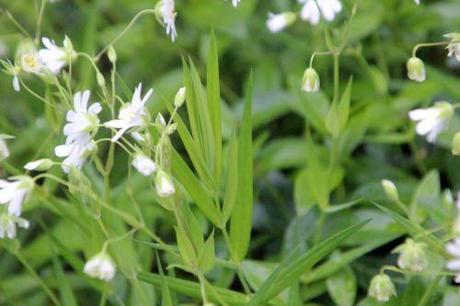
x=423, y=45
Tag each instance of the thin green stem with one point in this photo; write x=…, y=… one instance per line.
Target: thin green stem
x=39, y=22
x=16, y=23
x=336, y=57
x=423, y=45
x=318, y=53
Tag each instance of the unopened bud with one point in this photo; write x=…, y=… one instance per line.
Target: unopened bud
x=456, y=144
x=164, y=184
x=180, y=97
x=412, y=255
x=100, y=79
x=112, y=54
x=310, y=80
x=39, y=165
x=416, y=69
x=390, y=190
x=381, y=288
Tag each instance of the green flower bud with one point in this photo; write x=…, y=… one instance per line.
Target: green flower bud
x=100, y=79
x=390, y=190
x=180, y=97
x=112, y=54
x=416, y=69
x=381, y=288
x=456, y=144
x=310, y=80
x=164, y=184
x=412, y=255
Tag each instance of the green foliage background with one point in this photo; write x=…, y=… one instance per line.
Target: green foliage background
x=291, y=149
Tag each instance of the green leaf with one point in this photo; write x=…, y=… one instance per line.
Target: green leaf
x=192, y=289
x=241, y=219
x=214, y=104
x=186, y=249
x=231, y=180
x=342, y=287
x=291, y=268
x=337, y=116
x=207, y=257
x=65, y=290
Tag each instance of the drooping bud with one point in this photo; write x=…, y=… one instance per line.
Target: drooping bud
x=180, y=97
x=164, y=184
x=390, y=190
x=4, y=152
x=310, y=80
x=412, y=255
x=143, y=164
x=39, y=165
x=100, y=266
x=278, y=22
x=381, y=288
x=456, y=144
x=454, y=45
x=416, y=69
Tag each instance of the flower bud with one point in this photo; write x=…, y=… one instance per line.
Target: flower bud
x=412, y=255
x=100, y=266
x=4, y=152
x=381, y=288
x=456, y=144
x=390, y=190
x=278, y=22
x=143, y=164
x=164, y=184
x=39, y=165
x=100, y=79
x=310, y=80
x=416, y=69
x=112, y=54
x=180, y=97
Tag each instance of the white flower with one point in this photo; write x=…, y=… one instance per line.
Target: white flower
x=82, y=122
x=131, y=115
x=310, y=80
x=454, y=46
x=169, y=18
x=31, y=62
x=278, y=22
x=453, y=248
x=431, y=121
x=412, y=255
x=100, y=266
x=312, y=10
x=14, y=71
x=235, y=2
x=55, y=58
x=163, y=184
x=143, y=164
x=8, y=225
x=39, y=165
x=4, y=152
x=14, y=192
x=381, y=288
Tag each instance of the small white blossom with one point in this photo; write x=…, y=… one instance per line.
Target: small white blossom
x=31, y=62
x=235, y=2
x=278, y=22
x=412, y=255
x=143, y=164
x=310, y=80
x=14, y=192
x=168, y=14
x=55, y=58
x=82, y=122
x=100, y=266
x=131, y=115
x=381, y=288
x=8, y=225
x=312, y=10
x=16, y=85
x=431, y=121
x=164, y=184
x=39, y=165
x=454, y=46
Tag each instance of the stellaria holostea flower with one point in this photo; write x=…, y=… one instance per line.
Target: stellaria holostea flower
x=431, y=121
x=454, y=46
x=131, y=115
x=166, y=15
x=14, y=71
x=416, y=69
x=381, y=288
x=310, y=80
x=164, y=184
x=100, y=266
x=8, y=225
x=82, y=123
x=143, y=164
x=31, y=62
x=278, y=22
x=453, y=248
x=312, y=10
x=14, y=192
x=55, y=58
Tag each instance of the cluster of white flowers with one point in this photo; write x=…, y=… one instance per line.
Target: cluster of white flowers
x=312, y=11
